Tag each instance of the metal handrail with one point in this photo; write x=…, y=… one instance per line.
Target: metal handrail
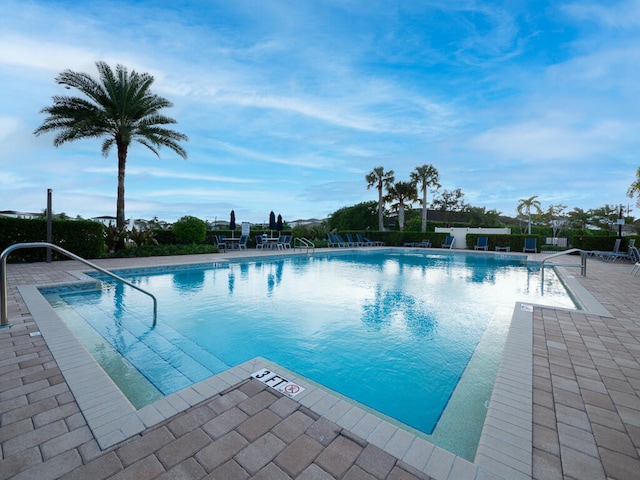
x=306, y=243
x=4, y=321
x=582, y=264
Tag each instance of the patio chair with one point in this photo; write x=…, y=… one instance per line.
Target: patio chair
x=259, y=242
x=242, y=243
x=376, y=243
x=424, y=244
x=482, y=243
x=530, y=245
x=448, y=243
x=220, y=242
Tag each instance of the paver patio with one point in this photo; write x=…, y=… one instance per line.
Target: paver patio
x=585, y=423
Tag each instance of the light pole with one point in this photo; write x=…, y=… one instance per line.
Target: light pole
x=620, y=221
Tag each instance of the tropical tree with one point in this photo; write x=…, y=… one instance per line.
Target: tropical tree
x=578, y=218
x=450, y=201
x=401, y=195
x=380, y=179
x=357, y=217
x=524, y=209
x=634, y=189
x=555, y=217
x=426, y=176
x=118, y=107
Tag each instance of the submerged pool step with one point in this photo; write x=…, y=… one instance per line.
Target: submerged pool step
x=164, y=356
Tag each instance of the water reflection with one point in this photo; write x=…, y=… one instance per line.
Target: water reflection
x=393, y=308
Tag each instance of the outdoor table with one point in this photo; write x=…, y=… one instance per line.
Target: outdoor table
x=270, y=242
x=232, y=242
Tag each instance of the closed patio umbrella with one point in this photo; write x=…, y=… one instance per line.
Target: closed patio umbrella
x=279, y=226
x=272, y=221
x=232, y=222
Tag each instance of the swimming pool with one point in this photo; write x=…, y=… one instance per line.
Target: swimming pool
x=394, y=330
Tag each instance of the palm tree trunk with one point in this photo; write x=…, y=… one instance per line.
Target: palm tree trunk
x=401, y=217
x=424, y=210
x=380, y=209
x=122, y=160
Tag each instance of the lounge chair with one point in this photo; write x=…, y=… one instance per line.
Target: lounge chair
x=376, y=243
x=636, y=256
x=482, y=244
x=424, y=244
x=530, y=245
x=364, y=242
x=448, y=243
x=355, y=243
x=334, y=241
x=610, y=255
x=344, y=242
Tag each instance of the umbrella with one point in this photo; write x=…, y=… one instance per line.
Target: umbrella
x=279, y=226
x=232, y=222
x=272, y=221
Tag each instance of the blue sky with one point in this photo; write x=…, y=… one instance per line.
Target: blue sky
x=288, y=104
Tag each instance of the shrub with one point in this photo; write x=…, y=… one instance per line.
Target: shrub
x=189, y=229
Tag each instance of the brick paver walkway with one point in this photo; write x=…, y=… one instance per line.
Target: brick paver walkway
x=586, y=408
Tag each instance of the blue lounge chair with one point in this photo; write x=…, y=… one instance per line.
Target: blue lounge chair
x=530, y=245
x=259, y=242
x=355, y=243
x=376, y=243
x=482, y=244
x=343, y=242
x=335, y=241
x=364, y=242
x=448, y=243
x=424, y=244
x=242, y=243
x=609, y=256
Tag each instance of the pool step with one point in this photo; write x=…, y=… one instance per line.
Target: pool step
x=164, y=356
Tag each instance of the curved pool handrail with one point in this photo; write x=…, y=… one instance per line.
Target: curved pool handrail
x=4, y=320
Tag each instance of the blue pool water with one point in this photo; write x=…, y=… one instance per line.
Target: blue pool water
x=393, y=330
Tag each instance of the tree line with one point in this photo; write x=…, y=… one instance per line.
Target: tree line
x=400, y=196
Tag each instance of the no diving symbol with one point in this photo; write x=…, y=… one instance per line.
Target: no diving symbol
x=291, y=389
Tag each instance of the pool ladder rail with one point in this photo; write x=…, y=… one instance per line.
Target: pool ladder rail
x=4, y=320
x=582, y=264
x=301, y=242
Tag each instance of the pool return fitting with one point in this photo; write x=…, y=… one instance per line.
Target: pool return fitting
x=4, y=315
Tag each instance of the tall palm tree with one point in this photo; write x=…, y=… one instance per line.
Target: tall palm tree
x=403, y=194
x=380, y=179
x=525, y=206
x=427, y=176
x=118, y=107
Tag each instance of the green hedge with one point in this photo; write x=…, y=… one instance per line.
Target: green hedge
x=82, y=237
x=602, y=243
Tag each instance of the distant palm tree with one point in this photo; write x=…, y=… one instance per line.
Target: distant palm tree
x=525, y=206
x=427, y=176
x=634, y=189
x=403, y=194
x=380, y=179
x=118, y=107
